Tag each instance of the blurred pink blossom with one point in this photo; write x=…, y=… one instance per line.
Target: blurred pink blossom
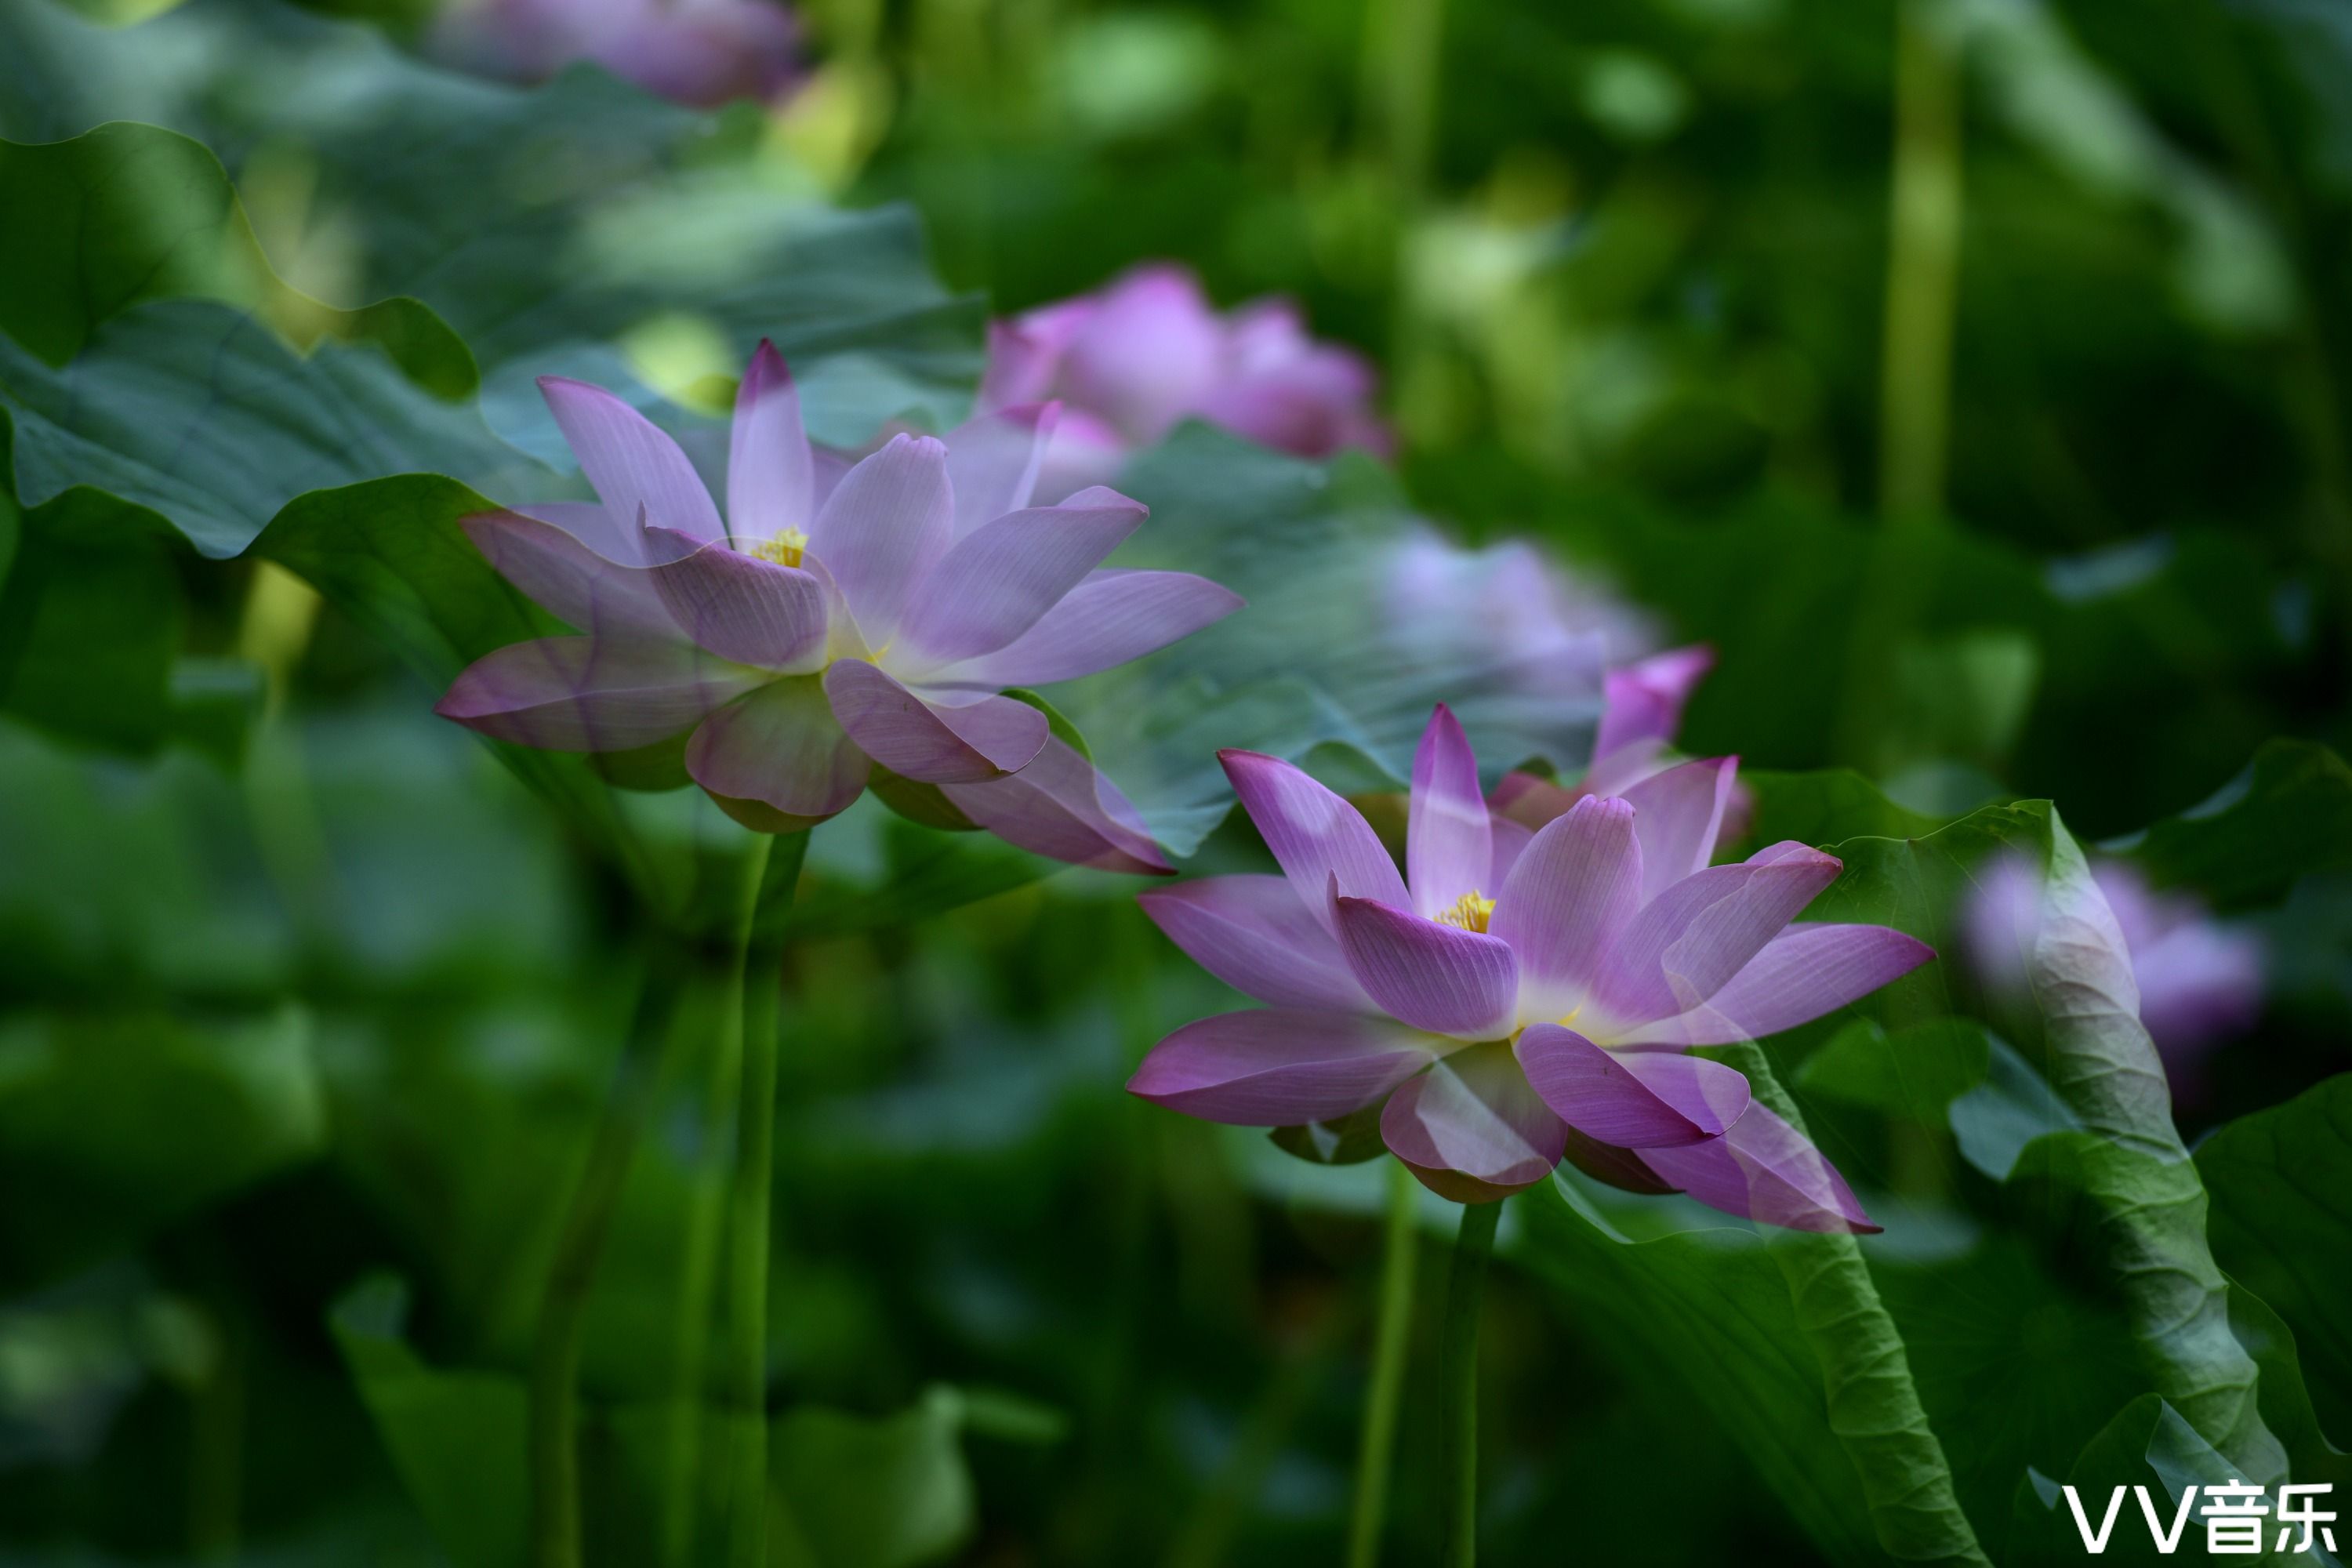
x=698, y=52
x=2200, y=981
x=1132, y=359
x=1529, y=610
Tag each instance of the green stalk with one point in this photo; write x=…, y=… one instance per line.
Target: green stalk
x=757, y=986
x=216, y=1469
x=1922, y=264
x=274, y=632
x=1458, y=1382
x=1925, y=207
x=1403, y=48
x=1397, y=96
x=705, y=1208
x=554, y=1395
x=1394, y=1331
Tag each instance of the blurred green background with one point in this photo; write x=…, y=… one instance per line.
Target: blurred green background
x=1971, y=374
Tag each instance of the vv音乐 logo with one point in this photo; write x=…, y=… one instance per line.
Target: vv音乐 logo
x=2234, y=1516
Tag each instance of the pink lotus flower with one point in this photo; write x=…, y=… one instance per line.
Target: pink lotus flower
x=1499, y=1033
x=698, y=52
x=1133, y=359
x=2201, y=981
x=838, y=627
x=1524, y=603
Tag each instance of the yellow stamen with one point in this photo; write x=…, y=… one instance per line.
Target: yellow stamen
x=1469, y=913
x=1566, y=1021
x=785, y=550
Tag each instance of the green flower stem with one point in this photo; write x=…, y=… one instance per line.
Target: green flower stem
x=217, y=1467
x=1926, y=214
x=747, y=1219
x=1923, y=266
x=1403, y=46
x=697, y=1274
x=555, y=1355
x=1392, y=1332
x=1458, y=1382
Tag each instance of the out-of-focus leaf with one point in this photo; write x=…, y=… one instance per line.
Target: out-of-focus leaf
x=1338, y=645
x=127, y=213
x=461, y=1130
x=1823, y=806
x=863, y=1492
x=1793, y=683
x=1916, y=1071
x=1004, y=1417
x=113, y=1123
x=2146, y=689
x=91, y=601
x=456, y=1437
x=196, y=410
x=848, y=1491
x=198, y=413
x=2287, y=816
x=430, y=867
x=371, y=849
x=2281, y=1182
x=543, y=226
x=1994, y=1122
x=90, y=617
x=215, y=702
x=2309, y=42
x=116, y=875
x=2129, y=1158
x=869, y=869
x=2230, y=270
x=1964, y=696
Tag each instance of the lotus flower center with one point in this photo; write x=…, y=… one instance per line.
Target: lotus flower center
x=786, y=549
x=1469, y=913
x=1566, y=1020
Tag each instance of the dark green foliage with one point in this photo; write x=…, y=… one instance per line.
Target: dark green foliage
x=311, y=1003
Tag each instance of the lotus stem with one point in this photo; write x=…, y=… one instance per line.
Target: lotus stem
x=757, y=995
x=1923, y=269
x=704, y=1225
x=1458, y=1382
x=554, y=1397
x=216, y=1467
x=1390, y=1334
